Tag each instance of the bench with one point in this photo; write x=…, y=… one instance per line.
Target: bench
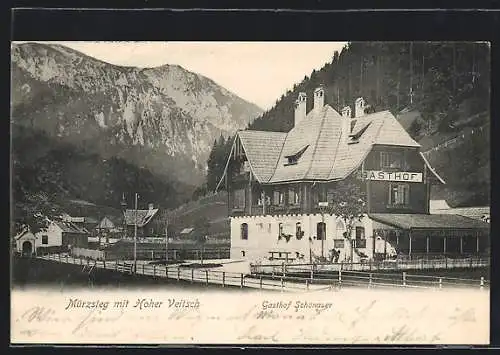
x=277, y=255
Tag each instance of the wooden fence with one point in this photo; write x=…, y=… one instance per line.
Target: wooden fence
x=88, y=253
x=275, y=281
x=421, y=264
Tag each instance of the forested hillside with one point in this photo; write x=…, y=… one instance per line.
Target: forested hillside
x=46, y=170
x=445, y=82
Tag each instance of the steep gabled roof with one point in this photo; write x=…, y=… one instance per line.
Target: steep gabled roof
x=262, y=150
x=24, y=232
x=143, y=216
x=380, y=128
x=321, y=131
x=70, y=227
x=329, y=155
x=105, y=223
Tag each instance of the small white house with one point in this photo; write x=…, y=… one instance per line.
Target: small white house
x=26, y=243
x=60, y=233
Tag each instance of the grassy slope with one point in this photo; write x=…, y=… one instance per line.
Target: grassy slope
x=213, y=207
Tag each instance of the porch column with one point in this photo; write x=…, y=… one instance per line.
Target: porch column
x=250, y=202
x=384, y=235
x=444, y=244
x=477, y=243
x=409, y=239
x=263, y=196
x=461, y=245
x=427, y=244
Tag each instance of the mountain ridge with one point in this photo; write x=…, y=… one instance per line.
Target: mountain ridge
x=159, y=121
x=163, y=107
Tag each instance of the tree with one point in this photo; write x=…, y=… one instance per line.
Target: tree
x=201, y=226
x=349, y=203
x=34, y=211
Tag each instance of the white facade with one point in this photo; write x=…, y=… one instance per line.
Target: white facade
x=50, y=237
x=26, y=242
x=263, y=232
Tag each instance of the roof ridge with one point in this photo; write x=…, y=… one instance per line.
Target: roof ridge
x=248, y=158
x=261, y=131
x=323, y=119
x=279, y=156
x=336, y=152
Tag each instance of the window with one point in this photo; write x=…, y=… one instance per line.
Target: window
x=321, y=231
x=280, y=229
x=244, y=231
x=243, y=253
x=239, y=199
x=298, y=230
x=360, y=232
x=338, y=243
x=45, y=239
x=355, y=136
x=340, y=227
x=391, y=160
x=399, y=194
x=279, y=198
x=320, y=194
x=293, y=196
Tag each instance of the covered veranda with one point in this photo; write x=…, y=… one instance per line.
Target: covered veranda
x=422, y=235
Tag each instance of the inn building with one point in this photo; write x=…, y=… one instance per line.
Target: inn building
x=280, y=188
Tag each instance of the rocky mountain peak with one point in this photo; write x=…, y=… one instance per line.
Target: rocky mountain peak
x=150, y=116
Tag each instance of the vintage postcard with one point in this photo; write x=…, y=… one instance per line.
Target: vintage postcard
x=250, y=193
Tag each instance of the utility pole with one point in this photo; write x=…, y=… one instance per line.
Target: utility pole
x=323, y=236
x=323, y=205
x=124, y=210
x=411, y=73
x=135, y=233
x=166, y=242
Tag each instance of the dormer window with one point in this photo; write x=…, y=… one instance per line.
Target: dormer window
x=355, y=136
x=294, y=158
x=353, y=124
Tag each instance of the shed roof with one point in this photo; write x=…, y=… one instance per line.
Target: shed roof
x=141, y=216
x=428, y=221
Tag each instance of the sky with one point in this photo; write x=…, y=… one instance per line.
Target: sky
x=259, y=72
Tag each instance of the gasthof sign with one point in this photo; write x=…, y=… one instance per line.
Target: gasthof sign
x=403, y=176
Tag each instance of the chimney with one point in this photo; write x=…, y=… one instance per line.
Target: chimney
x=359, y=107
x=346, y=112
x=150, y=206
x=345, y=124
x=319, y=98
x=300, y=108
